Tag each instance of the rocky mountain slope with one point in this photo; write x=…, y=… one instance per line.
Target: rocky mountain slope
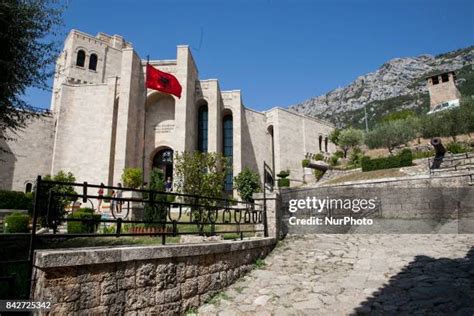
x=397, y=84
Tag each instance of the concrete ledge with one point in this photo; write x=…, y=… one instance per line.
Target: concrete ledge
x=100, y=255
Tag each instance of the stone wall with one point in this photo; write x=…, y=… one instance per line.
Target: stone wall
x=418, y=205
x=28, y=156
x=163, y=280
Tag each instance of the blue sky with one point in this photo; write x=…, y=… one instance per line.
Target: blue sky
x=277, y=52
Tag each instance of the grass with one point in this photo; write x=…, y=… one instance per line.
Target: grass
x=191, y=311
x=369, y=175
x=216, y=299
x=259, y=263
x=105, y=241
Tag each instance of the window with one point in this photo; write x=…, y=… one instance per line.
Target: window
x=435, y=80
x=320, y=143
x=29, y=187
x=203, y=115
x=81, y=58
x=93, y=62
x=444, y=77
x=228, y=149
x=326, y=144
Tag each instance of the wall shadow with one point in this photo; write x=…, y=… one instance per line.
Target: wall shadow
x=426, y=286
x=7, y=165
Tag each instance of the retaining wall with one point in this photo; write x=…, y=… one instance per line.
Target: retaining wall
x=163, y=280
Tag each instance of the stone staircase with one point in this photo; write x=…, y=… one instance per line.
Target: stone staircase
x=455, y=163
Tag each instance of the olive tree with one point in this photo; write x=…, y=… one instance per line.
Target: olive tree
x=350, y=138
x=247, y=183
x=390, y=134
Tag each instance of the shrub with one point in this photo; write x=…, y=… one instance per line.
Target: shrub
x=319, y=156
x=17, y=223
x=333, y=160
x=356, y=157
x=283, y=174
x=283, y=183
x=423, y=154
x=318, y=174
x=305, y=163
x=60, y=199
x=14, y=200
x=155, y=209
x=80, y=227
x=402, y=160
x=247, y=183
x=132, y=177
x=456, y=148
x=339, y=154
x=406, y=158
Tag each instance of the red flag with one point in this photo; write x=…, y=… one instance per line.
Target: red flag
x=162, y=81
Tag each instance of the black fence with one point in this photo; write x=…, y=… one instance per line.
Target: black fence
x=57, y=215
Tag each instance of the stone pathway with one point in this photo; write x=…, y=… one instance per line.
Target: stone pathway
x=350, y=274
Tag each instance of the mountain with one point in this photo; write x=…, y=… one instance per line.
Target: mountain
x=398, y=84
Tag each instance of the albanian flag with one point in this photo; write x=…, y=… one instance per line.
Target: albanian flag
x=162, y=81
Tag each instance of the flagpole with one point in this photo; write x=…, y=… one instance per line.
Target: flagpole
x=144, y=120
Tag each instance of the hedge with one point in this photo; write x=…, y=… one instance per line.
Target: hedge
x=17, y=223
x=283, y=183
x=78, y=227
x=403, y=159
x=14, y=200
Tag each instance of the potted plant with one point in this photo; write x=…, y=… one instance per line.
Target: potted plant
x=283, y=181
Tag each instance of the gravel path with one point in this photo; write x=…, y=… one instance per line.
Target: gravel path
x=350, y=274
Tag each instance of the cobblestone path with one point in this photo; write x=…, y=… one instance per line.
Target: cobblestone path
x=350, y=274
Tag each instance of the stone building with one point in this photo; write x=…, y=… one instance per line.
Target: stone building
x=97, y=125
x=443, y=91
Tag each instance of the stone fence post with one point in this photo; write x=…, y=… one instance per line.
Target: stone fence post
x=274, y=213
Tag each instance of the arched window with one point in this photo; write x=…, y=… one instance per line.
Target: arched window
x=326, y=144
x=320, y=143
x=93, y=62
x=29, y=187
x=227, y=143
x=81, y=58
x=203, y=118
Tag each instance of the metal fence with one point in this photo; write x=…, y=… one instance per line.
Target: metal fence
x=172, y=215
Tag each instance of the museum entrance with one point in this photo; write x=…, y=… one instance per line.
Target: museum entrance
x=163, y=160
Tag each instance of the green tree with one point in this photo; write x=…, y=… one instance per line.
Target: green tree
x=203, y=175
x=60, y=197
x=350, y=138
x=450, y=123
x=132, y=177
x=390, y=134
x=199, y=173
x=247, y=183
x=27, y=30
x=155, y=208
x=334, y=136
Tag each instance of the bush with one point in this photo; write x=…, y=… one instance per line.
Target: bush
x=14, y=200
x=155, y=209
x=402, y=160
x=283, y=183
x=81, y=227
x=283, y=174
x=406, y=158
x=356, y=157
x=339, y=154
x=17, y=223
x=333, y=160
x=457, y=148
x=132, y=177
x=423, y=154
x=247, y=183
x=305, y=163
x=319, y=156
x=318, y=174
